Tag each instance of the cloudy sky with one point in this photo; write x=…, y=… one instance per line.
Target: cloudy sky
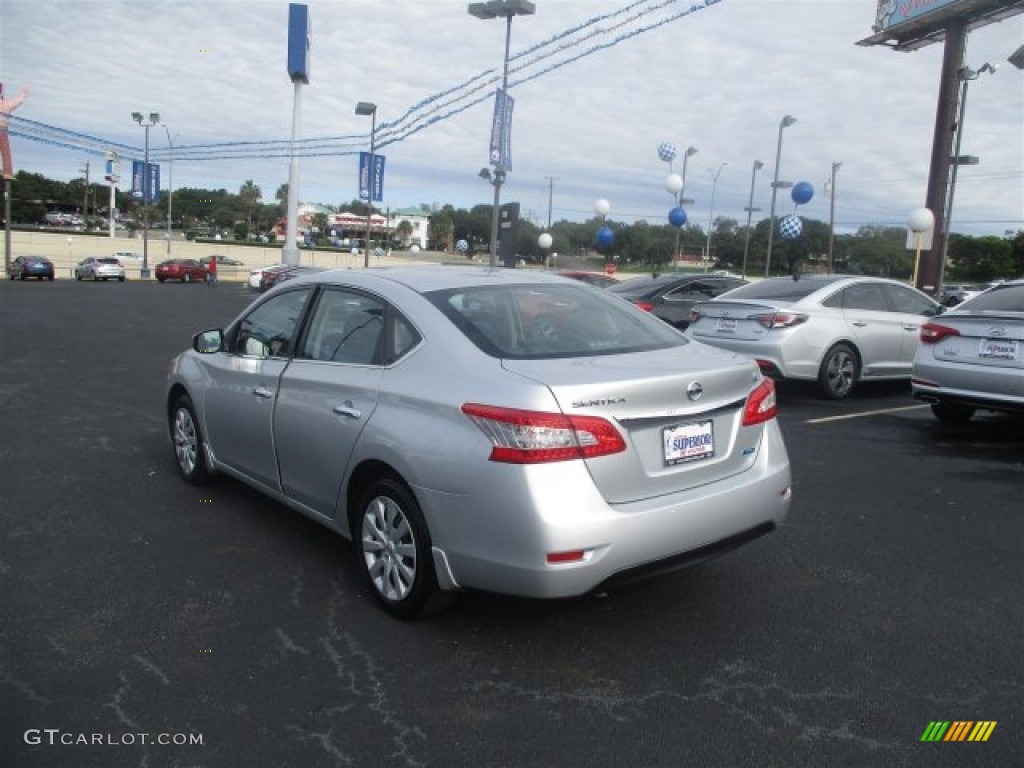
x=598, y=86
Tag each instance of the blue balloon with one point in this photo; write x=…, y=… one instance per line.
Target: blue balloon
x=802, y=192
x=461, y=246
x=605, y=237
x=667, y=152
x=677, y=217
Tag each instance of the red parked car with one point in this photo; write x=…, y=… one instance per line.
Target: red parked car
x=185, y=270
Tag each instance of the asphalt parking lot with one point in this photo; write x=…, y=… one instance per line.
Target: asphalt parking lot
x=133, y=603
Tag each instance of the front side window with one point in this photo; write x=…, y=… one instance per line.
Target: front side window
x=908, y=301
x=269, y=329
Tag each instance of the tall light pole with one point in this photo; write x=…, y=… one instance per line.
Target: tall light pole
x=493, y=9
x=154, y=119
x=966, y=74
x=369, y=108
x=787, y=121
x=170, y=188
x=711, y=215
x=750, y=209
x=832, y=213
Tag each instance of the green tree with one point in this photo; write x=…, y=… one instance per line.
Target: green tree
x=250, y=195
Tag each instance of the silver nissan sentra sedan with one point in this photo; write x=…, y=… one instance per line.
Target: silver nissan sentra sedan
x=490, y=429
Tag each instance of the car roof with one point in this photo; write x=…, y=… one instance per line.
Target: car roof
x=424, y=279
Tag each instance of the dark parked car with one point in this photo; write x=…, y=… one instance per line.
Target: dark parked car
x=592, y=278
x=671, y=297
x=275, y=275
x=222, y=261
x=38, y=267
x=185, y=270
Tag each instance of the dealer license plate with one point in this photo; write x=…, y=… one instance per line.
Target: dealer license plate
x=726, y=325
x=1001, y=349
x=688, y=442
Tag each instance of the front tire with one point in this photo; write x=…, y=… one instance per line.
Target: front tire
x=189, y=443
x=393, y=550
x=839, y=372
x=952, y=413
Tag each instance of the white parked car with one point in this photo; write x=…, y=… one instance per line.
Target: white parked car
x=256, y=275
x=972, y=358
x=100, y=268
x=837, y=330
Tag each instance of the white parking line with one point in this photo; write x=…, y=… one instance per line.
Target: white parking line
x=866, y=413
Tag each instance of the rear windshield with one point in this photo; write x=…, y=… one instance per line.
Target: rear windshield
x=525, y=322
x=640, y=286
x=1001, y=298
x=109, y=260
x=785, y=289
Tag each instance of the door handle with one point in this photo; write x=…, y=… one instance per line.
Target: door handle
x=859, y=323
x=910, y=328
x=347, y=409
x=262, y=391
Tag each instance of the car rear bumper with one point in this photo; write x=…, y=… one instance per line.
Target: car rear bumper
x=499, y=540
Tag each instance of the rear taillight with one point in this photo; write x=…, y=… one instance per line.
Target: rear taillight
x=780, y=319
x=695, y=315
x=536, y=437
x=646, y=306
x=933, y=333
x=761, y=405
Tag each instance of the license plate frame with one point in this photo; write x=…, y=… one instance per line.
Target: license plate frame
x=998, y=349
x=687, y=442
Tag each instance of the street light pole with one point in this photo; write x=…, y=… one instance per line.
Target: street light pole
x=493, y=9
x=369, y=108
x=966, y=74
x=711, y=215
x=750, y=209
x=154, y=119
x=832, y=214
x=786, y=121
x=170, y=188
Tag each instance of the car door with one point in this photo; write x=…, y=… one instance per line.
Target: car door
x=877, y=331
x=914, y=309
x=244, y=381
x=330, y=390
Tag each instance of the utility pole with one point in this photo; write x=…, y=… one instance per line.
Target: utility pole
x=551, y=194
x=85, y=200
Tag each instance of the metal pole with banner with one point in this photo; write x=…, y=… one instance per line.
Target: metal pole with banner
x=501, y=131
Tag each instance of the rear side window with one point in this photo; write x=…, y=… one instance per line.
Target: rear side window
x=552, y=321
x=866, y=296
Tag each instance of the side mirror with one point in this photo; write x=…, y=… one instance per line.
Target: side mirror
x=208, y=342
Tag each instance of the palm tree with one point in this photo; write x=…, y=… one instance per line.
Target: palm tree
x=250, y=195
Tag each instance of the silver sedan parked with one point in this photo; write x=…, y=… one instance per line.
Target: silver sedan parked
x=471, y=428
x=972, y=358
x=837, y=330
x=100, y=268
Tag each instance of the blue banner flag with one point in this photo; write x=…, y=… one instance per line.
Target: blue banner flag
x=501, y=131
x=364, y=177
x=145, y=186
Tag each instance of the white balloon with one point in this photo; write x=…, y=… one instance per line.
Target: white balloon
x=601, y=207
x=921, y=220
x=544, y=241
x=674, y=183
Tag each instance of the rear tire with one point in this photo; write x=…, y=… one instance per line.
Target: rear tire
x=952, y=413
x=839, y=372
x=393, y=550
x=189, y=443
